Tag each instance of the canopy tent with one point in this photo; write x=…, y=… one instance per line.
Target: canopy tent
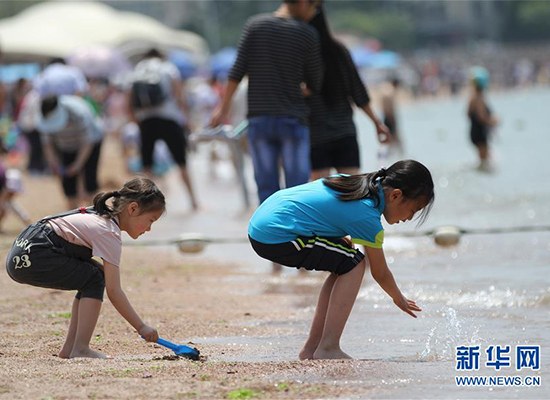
x=57, y=29
x=100, y=62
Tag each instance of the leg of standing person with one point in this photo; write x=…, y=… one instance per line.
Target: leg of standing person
x=264, y=151
x=483, y=152
x=69, y=183
x=343, y=295
x=295, y=154
x=295, y=151
x=148, y=135
x=36, y=163
x=174, y=136
x=90, y=173
x=185, y=173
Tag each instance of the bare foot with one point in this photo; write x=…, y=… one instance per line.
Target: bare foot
x=306, y=354
x=88, y=353
x=332, y=354
x=64, y=354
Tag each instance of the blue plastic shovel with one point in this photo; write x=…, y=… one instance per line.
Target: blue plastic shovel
x=180, y=349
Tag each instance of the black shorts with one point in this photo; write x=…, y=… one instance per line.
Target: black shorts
x=39, y=257
x=312, y=253
x=173, y=134
x=89, y=171
x=341, y=153
x=479, y=136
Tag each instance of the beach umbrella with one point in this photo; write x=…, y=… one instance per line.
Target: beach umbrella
x=59, y=79
x=14, y=72
x=361, y=56
x=385, y=59
x=223, y=60
x=99, y=61
x=185, y=63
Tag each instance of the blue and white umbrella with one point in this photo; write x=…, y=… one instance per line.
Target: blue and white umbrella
x=361, y=56
x=365, y=58
x=222, y=61
x=13, y=72
x=60, y=79
x=184, y=62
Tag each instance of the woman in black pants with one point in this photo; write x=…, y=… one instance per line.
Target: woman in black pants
x=333, y=134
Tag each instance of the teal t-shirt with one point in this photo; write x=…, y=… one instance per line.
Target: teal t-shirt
x=313, y=209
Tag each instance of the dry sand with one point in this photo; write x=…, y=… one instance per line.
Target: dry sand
x=183, y=296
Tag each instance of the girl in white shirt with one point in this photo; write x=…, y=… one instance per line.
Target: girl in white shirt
x=56, y=252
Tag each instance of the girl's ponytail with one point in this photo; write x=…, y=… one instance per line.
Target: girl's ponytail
x=100, y=202
x=410, y=176
x=142, y=191
x=356, y=187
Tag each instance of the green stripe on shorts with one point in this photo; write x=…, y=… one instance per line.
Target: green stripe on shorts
x=346, y=249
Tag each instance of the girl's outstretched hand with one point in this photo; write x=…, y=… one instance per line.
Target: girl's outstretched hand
x=150, y=334
x=407, y=306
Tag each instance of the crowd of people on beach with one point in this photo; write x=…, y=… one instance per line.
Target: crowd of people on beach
x=302, y=88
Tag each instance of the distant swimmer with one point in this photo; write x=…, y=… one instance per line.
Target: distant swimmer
x=481, y=117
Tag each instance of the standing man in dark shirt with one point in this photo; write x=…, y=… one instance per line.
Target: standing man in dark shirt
x=280, y=53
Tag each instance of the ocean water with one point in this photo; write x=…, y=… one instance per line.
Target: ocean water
x=488, y=290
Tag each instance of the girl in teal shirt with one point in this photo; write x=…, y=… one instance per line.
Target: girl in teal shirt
x=315, y=226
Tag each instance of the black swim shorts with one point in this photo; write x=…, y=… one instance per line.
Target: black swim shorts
x=312, y=253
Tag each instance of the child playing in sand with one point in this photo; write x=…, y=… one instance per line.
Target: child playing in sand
x=56, y=252
x=307, y=227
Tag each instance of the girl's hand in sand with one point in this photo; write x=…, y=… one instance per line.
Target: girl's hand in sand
x=148, y=333
x=407, y=306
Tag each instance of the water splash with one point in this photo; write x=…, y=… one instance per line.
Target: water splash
x=447, y=334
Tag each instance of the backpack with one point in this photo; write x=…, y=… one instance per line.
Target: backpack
x=148, y=89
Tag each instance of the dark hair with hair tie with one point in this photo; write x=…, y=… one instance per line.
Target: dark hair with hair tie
x=143, y=191
x=335, y=57
x=410, y=176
